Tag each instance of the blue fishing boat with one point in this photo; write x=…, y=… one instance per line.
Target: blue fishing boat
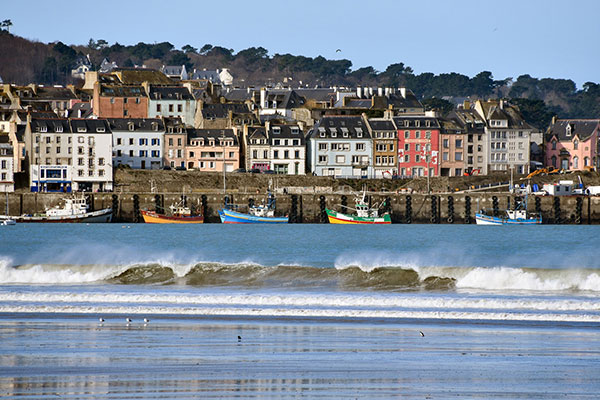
x=257, y=214
x=517, y=216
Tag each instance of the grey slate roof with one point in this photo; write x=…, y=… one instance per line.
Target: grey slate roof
x=136, y=124
x=209, y=75
x=122, y=91
x=340, y=127
x=286, y=132
x=214, y=111
x=90, y=126
x=170, y=93
x=55, y=125
x=381, y=124
x=211, y=134
x=583, y=128
x=416, y=122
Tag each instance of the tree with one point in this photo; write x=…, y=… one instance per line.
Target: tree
x=206, y=48
x=7, y=23
x=437, y=104
x=253, y=54
x=92, y=44
x=179, y=58
x=535, y=112
x=482, y=84
x=101, y=43
x=189, y=49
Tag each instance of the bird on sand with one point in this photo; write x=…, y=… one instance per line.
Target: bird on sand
x=239, y=338
x=128, y=320
x=101, y=319
x=146, y=320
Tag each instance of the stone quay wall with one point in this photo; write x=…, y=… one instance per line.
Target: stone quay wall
x=449, y=208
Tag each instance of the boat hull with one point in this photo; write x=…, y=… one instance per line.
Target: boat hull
x=151, y=217
x=100, y=216
x=483, y=219
x=339, y=218
x=234, y=217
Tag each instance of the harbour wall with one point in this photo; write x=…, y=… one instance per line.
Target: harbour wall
x=451, y=208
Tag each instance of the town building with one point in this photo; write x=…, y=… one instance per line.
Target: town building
x=7, y=179
x=137, y=143
x=340, y=146
x=472, y=126
x=257, y=148
x=209, y=149
x=419, y=145
x=572, y=144
x=385, y=147
x=508, y=136
x=69, y=155
x=171, y=101
x=288, y=149
x=175, y=143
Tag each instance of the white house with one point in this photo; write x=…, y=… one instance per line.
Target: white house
x=171, y=101
x=7, y=181
x=341, y=146
x=288, y=149
x=137, y=142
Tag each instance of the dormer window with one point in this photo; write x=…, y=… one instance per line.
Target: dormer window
x=131, y=126
x=428, y=123
x=154, y=126
x=100, y=129
x=43, y=128
x=406, y=123
x=333, y=132
x=417, y=123
x=359, y=132
x=295, y=130
x=81, y=129
x=569, y=130
x=322, y=132
x=575, y=144
x=59, y=129
x=276, y=130
x=553, y=144
x=345, y=132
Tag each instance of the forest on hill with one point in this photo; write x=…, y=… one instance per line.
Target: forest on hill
x=26, y=61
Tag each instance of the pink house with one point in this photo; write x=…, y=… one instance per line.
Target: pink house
x=208, y=149
x=572, y=144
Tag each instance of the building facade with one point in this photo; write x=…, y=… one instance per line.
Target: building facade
x=572, y=144
x=211, y=150
x=137, y=143
x=288, y=149
x=385, y=142
x=418, y=145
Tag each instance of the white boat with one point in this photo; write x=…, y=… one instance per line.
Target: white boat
x=517, y=216
x=73, y=210
x=6, y=220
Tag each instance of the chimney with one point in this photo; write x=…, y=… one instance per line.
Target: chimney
x=387, y=92
x=263, y=98
x=467, y=105
x=371, y=91
x=379, y=91
x=403, y=92
x=554, y=118
x=359, y=92
x=502, y=104
x=79, y=113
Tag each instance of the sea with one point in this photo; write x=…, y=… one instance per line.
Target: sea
x=211, y=311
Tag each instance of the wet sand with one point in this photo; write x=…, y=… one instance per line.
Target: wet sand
x=74, y=356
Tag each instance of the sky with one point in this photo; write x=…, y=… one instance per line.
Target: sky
x=542, y=38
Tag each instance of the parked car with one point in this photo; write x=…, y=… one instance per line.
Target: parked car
x=240, y=170
x=255, y=171
x=269, y=171
x=167, y=168
x=180, y=168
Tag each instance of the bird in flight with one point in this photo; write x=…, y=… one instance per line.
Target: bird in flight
x=338, y=51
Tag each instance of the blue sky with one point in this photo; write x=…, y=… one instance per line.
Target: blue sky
x=543, y=38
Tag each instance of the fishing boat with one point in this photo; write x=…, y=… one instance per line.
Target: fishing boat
x=179, y=214
x=516, y=216
x=257, y=214
x=363, y=214
x=73, y=209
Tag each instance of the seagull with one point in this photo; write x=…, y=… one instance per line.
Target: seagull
x=128, y=320
x=422, y=334
x=101, y=319
x=338, y=51
x=146, y=320
x=239, y=338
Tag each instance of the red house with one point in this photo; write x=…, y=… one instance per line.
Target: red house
x=418, y=145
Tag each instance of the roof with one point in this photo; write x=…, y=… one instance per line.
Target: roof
x=284, y=98
x=53, y=93
x=211, y=134
x=173, y=69
x=416, y=122
x=209, y=75
x=582, y=128
x=381, y=124
x=277, y=131
x=81, y=110
x=318, y=94
x=239, y=94
x=468, y=120
x=122, y=91
x=214, y=111
x=136, y=76
x=89, y=126
x=341, y=127
x=136, y=124
x=55, y=125
x=170, y=93
x=257, y=133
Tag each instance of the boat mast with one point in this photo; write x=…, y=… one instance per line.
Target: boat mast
x=223, y=144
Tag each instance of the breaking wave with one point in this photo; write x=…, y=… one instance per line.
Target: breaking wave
x=357, y=277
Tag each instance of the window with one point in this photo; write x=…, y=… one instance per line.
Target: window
x=125, y=100
x=254, y=153
x=458, y=156
x=406, y=134
x=340, y=159
x=296, y=154
x=417, y=147
x=286, y=154
x=80, y=172
x=322, y=159
x=170, y=107
x=428, y=134
x=155, y=142
x=118, y=153
x=446, y=143
x=101, y=172
x=265, y=154
x=575, y=145
x=322, y=146
x=155, y=153
x=360, y=146
x=445, y=156
x=418, y=158
x=130, y=153
x=137, y=100
x=275, y=153
x=125, y=113
x=458, y=143
x=58, y=150
x=179, y=108
x=406, y=158
x=406, y=146
x=158, y=108
x=575, y=162
x=131, y=141
x=80, y=161
x=178, y=141
x=417, y=134
x=170, y=141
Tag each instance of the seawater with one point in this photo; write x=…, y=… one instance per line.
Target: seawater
x=362, y=293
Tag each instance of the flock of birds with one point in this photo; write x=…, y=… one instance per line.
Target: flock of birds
x=127, y=320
